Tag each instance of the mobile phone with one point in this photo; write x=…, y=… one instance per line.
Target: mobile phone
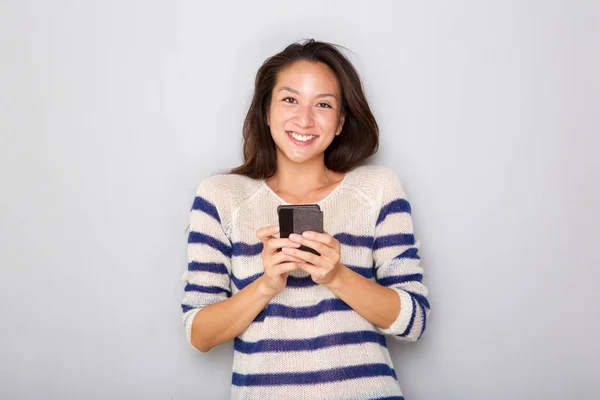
x=298, y=218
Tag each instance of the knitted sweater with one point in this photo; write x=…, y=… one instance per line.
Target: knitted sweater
x=307, y=343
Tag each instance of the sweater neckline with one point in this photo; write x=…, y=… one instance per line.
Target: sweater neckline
x=320, y=202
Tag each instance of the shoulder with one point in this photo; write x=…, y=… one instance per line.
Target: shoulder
x=375, y=182
x=226, y=191
x=230, y=183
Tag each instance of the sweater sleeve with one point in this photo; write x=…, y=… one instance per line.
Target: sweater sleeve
x=208, y=276
x=396, y=261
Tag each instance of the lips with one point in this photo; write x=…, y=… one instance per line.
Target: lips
x=301, y=139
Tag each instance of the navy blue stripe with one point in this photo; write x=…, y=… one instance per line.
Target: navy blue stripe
x=279, y=310
x=245, y=249
x=424, y=320
x=206, y=207
x=185, y=308
x=353, y=240
x=300, y=282
x=197, y=237
x=392, y=280
x=191, y=287
x=393, y=207
x=420, y=298
x=242, y=283
x=410, y=253
x=292, y=281
x=216, y=268
x=311, y=378
x=412, y=318
x=400, y=239
x=306, y=281
x=321, y=342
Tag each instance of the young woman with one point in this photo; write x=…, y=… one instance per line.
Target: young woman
x=305, y=326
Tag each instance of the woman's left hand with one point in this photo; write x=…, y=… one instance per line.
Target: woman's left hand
x=324, y=268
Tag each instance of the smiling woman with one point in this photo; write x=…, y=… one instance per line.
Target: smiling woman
x=306, y=325
x=305, y=116
x=309, y=89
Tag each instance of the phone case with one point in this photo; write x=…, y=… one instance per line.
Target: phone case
x=298, y=219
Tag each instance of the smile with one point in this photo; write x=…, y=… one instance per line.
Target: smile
x=301, y=138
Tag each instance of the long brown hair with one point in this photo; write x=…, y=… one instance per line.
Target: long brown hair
x=359, y=138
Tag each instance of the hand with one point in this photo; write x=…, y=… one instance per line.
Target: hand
x=323, y=269
x=277, y=264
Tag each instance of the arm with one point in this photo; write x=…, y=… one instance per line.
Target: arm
x=211, y=315
x=377, y=304
x=397, y=304
x=397, y=264
x=223, y=321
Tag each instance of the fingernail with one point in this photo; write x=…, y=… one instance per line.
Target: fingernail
x=306, y=234
x=286, y=250
x=294, y=236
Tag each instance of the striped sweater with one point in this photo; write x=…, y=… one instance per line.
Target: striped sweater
x=307, y=343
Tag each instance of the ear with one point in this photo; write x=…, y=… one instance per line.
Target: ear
x=340, y=124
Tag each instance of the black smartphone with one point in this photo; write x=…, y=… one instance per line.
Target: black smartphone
x=299, y=218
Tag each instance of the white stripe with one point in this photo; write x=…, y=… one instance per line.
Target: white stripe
x=197, y=299
x=325, y=324
x=397, y=223
x=204, y=278
x=310, y=361
x=202, y=252
x=209, y=225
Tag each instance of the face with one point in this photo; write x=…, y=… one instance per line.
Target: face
x=305, y=116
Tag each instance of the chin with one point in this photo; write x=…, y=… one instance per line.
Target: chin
x=298, y=158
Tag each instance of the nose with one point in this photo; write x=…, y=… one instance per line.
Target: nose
x=304, y=116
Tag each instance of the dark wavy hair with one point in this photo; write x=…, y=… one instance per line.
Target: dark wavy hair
x=359, y=138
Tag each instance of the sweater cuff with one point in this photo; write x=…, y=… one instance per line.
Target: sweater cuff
x=403, y=319
x=188, y=324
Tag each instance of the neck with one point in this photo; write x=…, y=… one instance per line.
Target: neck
x=300, y=178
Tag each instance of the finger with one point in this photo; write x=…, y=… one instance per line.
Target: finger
x=319, y=247
x=324, y=238
x=311, y=269
x=280, y=257
x=303, y=255
x=281, y=269
x=265, y=233
x=279, y=243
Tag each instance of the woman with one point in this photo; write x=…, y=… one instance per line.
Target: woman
x=305, y=326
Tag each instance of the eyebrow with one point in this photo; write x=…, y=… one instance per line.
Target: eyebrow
x=289, y=89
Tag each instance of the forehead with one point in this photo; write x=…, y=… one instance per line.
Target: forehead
x=308, y=77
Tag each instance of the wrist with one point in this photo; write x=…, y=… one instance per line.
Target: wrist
x=337, y=280
x=264, y=289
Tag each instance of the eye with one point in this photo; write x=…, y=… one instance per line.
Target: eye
x=325, y=105
x=289, y=98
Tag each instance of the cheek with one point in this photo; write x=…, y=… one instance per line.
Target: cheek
x=328, y=123
x=277, y=120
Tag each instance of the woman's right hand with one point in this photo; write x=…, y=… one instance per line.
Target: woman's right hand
x=276, y=263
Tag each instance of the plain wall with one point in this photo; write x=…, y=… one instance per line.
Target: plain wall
x=112, y=112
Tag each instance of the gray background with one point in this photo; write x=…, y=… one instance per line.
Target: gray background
x=112, y=112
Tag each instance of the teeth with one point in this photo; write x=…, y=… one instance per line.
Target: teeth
x=302, y=138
